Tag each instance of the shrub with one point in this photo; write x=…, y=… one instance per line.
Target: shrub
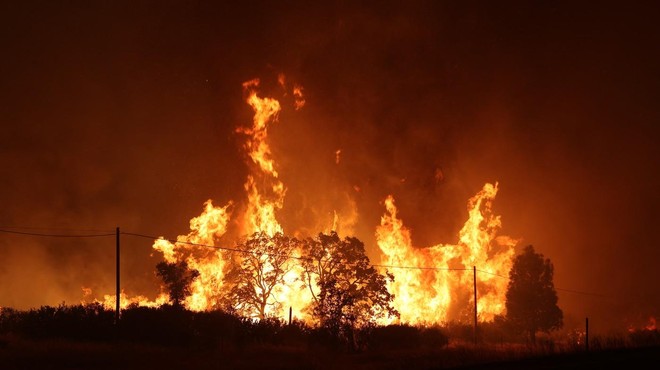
x=644, y=337
x=405, y=337
x=78, y=322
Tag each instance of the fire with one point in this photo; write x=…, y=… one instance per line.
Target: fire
x=649, y=326
x=264, y=202
x=261, y=209
x=193, y=248
x=298, y=96
x=265, y=196
x=204, y=230
x=435, y=284
x=109, y=300
x=431, y=284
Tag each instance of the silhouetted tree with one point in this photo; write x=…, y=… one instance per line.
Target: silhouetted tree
x=531, y=299
x=177, y=278
x=255, y=276
x=348, y=291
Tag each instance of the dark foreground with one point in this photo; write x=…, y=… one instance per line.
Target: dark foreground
x=20, y=354
x=628, y=358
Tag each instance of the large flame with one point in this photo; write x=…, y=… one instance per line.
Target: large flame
x=196, y=249
x=265, y=201
x=435, y=284
x=265, y=196
x=431, y=285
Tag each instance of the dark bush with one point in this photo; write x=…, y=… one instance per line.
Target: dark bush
x=433, y=337
x=320, y=337
x=166, y=325
x=79, y=322
x=218, y=328
x=498, y=331
x=263, y=331
x=460, y=332
x=295, y=334
x=644, y=337
x=405, y=337
x=393, y=337
x=9, y=319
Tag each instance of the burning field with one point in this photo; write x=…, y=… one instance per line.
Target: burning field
x=430, y=284
x=278, y=161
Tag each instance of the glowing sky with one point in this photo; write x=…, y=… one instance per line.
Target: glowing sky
x=123, y=114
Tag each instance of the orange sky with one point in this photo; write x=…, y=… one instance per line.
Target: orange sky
x=125, y=115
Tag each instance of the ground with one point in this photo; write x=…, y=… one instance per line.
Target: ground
x=20, y=354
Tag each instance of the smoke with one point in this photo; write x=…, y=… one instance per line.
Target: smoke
x=120, y=115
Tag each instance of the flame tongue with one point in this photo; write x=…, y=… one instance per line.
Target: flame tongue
x=265, y=111
x=204, y=230
x=265, y=201
x=441, y=290
x=265, y=197
x=420, y=295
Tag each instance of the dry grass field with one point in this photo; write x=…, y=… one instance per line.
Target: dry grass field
x=86, y=337
x=17, y=353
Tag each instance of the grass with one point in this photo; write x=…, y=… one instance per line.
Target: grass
x=17, y=353
x=147, y=338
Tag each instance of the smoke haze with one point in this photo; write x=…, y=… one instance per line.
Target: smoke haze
x=124, y=114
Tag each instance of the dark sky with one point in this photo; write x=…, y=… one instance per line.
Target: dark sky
x=124, y=114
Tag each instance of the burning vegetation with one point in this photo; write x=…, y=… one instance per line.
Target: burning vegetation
x=328, y=278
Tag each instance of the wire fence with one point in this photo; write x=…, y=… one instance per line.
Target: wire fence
x=101, y=233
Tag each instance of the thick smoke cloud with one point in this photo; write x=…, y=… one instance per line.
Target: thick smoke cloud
x=125, y=115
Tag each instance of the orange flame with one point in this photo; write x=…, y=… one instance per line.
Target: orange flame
x=264, y=199
x=440, y=291
x=260, y=213
x=649, y=326
x=434, y=285
x=298, y=96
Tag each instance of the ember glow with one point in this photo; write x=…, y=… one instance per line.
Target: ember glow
x=384, y=122
x=650, y=325
x=431, y=285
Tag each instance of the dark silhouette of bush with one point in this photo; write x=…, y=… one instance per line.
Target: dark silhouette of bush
x=393, y=337
x=498, y=331
x=177, y=277
x=263, y=331
x=172, y=326
x=90, y=322
x=218, y=329
x=433, y=337
x=644, y=338
x=461, y=332
x=169, y=325
x=277, y=332
x=296, y=334
x=322, y=337
x=8, y=320
x=405, y=337
x=166, y=325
